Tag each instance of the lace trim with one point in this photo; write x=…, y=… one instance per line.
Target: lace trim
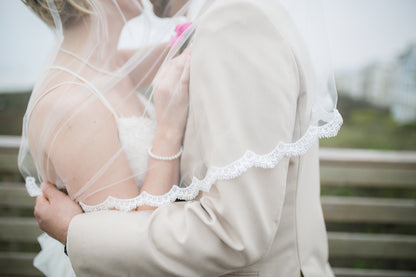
x=231, y=171
x=31, y=187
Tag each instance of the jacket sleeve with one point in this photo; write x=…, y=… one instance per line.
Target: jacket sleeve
x=238, y=56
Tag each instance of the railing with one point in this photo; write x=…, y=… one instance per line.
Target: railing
x=360, y=188
x=370, y=210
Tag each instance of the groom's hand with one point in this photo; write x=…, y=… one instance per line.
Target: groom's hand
x=54, y=211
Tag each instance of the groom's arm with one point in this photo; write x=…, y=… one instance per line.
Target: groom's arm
x=232, y=225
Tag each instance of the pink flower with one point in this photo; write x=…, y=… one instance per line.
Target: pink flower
x=179, y=29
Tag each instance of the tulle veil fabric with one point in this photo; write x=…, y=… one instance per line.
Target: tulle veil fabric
x=99, y=73
x=74, y=88
x=103, y=77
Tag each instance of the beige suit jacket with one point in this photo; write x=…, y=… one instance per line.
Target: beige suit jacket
x=267, y=222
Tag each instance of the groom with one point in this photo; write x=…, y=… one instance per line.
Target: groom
x=267, y=222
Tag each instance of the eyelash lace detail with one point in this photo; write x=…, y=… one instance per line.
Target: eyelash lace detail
x=231, y=171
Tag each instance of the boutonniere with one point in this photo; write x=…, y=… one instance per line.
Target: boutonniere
x=179, y=29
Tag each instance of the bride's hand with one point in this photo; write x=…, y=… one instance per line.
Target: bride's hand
x=171, y=96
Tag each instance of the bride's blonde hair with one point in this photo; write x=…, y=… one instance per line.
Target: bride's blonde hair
x=70, y=11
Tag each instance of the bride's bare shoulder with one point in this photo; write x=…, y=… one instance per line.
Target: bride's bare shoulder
x=67, y=111
x=63, y=101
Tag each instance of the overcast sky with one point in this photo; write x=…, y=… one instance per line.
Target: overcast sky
x=360, y=32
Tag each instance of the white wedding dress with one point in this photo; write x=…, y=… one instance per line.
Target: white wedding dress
x=136, y=135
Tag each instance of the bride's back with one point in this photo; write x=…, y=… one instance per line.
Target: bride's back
x=71, y=131
x=69, y=127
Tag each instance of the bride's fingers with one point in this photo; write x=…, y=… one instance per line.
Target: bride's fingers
x=186, y=74
x=184, y=61
x=174, y=74
x=187, y=50
x=182, y=58
x=171, y=71
x=175, y=70
x=181, y=93
x=182, y=82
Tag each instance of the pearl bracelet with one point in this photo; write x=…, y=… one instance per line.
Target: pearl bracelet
x=171, y=158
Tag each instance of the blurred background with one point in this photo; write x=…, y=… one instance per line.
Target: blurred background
x=373, y=45
x=368, y=171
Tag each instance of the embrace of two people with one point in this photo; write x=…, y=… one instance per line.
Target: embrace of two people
x=197, y=157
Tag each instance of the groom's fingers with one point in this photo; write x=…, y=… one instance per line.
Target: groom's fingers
x=50, y=191
x=41, y=203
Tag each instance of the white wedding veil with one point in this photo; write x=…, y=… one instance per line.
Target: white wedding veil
x=93, y=104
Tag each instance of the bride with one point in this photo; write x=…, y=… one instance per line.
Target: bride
x=86, y=129
x=86, y=101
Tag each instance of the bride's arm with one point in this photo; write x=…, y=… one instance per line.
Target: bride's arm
x=76, y=150
x=67, y=139
x=171, y=104
x=76, y=162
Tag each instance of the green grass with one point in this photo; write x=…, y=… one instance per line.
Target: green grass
x=369, y=127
